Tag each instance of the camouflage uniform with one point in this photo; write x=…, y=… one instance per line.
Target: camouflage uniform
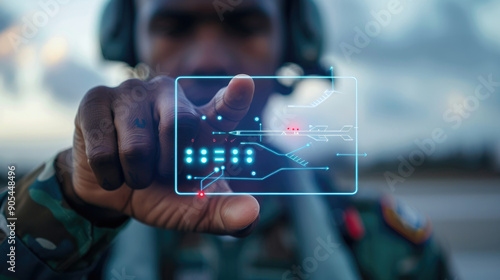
x=53, y=242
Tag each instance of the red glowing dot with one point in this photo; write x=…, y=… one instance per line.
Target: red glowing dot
x=288, y=128
x=201, y=194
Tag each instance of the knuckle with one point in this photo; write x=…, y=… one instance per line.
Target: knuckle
x=188, y=120
x=131, y=83
x=100, y=156
x=95, y=99
x=166, y=126
x=133, y=92
x=160, y=84
x=96, y=95
x=162, y=81
x=134, y=150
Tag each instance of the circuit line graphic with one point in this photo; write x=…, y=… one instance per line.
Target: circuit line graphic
x=252, y=157
x=217, y=169
x=289, y=155
x=259, y=178
x=317, y=133
x=318, y=101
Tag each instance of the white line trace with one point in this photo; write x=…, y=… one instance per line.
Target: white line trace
x=315, y=132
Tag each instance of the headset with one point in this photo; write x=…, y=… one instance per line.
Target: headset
x=304, y=43
x=303, y=34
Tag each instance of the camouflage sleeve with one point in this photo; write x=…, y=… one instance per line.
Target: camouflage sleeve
x=52, y=231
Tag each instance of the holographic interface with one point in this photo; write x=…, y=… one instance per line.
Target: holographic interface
x=314, y=131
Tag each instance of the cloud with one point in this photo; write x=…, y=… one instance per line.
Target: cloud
x=68, y=81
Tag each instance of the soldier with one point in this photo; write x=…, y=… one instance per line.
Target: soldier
x=114, y=183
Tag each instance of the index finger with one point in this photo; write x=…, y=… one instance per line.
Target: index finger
x=228, y=107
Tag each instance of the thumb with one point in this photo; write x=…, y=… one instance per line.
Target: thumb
x=230, y=104
x=238, y=214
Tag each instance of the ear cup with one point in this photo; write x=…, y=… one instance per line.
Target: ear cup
x=116, y=32
x=304, y=34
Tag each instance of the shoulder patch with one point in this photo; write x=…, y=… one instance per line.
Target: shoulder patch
x=405, y=220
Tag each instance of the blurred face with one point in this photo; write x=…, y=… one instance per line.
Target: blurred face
x=187, y=37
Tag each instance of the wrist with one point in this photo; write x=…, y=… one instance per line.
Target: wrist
x=99, y=216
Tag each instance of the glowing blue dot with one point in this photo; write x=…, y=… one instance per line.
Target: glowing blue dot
x=235, y=159
x=203, y=117
x=223, y=167
x=249, y=159
x=189, y=160
x=203, y=160
x=253, y=173
x=203, y=151
x=235, y=151
x=249, y=152
x=219, y=118
x=216, y=169
x=256, y=119
x=189, y=151
x=189, y=177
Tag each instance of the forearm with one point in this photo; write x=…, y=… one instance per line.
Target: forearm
x=49, y=226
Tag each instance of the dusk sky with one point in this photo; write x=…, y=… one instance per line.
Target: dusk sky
x=425, y=60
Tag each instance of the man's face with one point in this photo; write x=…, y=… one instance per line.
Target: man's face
x=187, y=37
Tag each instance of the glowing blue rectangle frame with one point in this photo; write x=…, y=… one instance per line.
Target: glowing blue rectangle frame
x=271, y=193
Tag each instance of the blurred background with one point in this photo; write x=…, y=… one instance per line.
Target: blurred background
x=418, y=71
